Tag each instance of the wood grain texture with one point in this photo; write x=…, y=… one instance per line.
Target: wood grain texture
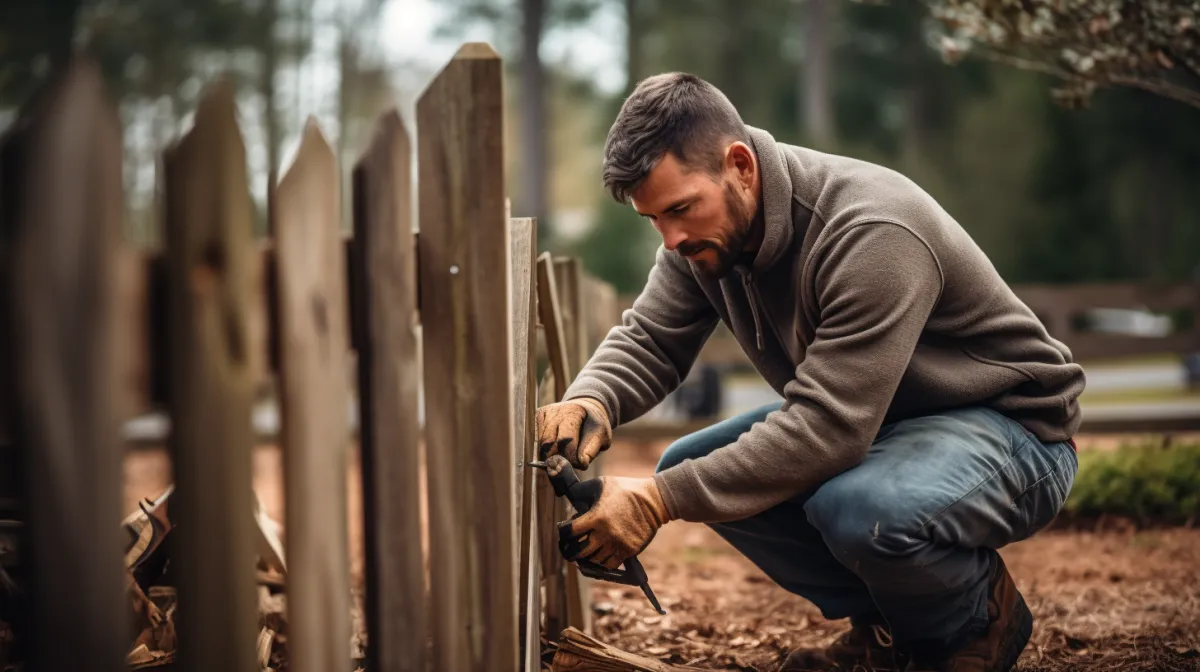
x=551, y=509
x=66, y=303
x=313, y=348
x=465, y=318
x=214, y=289
x=384, y=282
x=550, y=313
x=523, y=234
x=568, y=275
x=577, y=652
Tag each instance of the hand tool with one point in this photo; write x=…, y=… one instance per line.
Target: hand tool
x=566, y=484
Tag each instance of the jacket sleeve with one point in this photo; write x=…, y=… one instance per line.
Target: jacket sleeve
x=646, y=357
x=876, y=285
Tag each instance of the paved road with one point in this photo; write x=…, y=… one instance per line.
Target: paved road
x=1147, y=376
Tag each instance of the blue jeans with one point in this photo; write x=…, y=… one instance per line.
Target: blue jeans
x=907, y=534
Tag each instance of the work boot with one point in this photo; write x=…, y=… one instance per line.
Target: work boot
x=997, y=648
x=865, y=647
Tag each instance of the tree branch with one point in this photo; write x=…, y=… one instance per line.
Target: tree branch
x=1166, y=89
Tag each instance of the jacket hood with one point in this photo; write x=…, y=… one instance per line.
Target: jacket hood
x=776, y=199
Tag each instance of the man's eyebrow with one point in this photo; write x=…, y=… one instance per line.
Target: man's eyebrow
x=674, y=204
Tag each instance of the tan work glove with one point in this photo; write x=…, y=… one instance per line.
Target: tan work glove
x=577, y=429
x=622, y=522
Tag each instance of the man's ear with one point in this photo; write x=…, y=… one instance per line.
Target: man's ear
x=741, y=163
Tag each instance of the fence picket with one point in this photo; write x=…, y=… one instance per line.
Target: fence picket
x=552, y=509
x=384, y=281
x=311, y=285
x=213, y=278
x=524, y=302
x=569, y=280
x=65, y=196
x=464, y=259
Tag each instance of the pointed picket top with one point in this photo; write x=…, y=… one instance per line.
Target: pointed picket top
x=389, y=139
x=215, y=117
x=77, y=91
x=476, y=50
x=315, y=155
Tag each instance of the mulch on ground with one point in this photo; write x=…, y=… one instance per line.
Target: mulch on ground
x=1117, y=600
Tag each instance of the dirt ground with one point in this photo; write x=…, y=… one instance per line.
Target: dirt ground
x=1116, y=600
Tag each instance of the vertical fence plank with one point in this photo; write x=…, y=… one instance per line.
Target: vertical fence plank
x=213, y=278
x=524, y=314
x=384, y=278
x=569, y=279
x=464, y=259
x=551, y=509
x=550, y=312
x=311, y=284
x=66, y=303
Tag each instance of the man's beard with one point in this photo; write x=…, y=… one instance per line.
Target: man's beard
x=730, y=245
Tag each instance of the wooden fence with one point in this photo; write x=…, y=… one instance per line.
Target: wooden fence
x=98, y=332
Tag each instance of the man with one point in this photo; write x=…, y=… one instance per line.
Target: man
x=927, y=416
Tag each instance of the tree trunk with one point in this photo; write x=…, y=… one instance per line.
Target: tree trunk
x=735, y=83
x=60, y=19
x=633, y=46
x=1158, y=209
x=817, y=99
x=533, y=109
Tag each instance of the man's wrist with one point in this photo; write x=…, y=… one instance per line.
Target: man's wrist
x=595, y=405
x=659, y=503
x=662, y=499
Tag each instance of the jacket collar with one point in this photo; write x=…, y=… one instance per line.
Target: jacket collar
x=776, y=200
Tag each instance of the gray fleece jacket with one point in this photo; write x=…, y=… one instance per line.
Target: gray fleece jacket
x=866, y=303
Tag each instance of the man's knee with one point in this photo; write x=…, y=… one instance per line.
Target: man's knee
x=866, y=526
x=681, y=449
x=701, y=443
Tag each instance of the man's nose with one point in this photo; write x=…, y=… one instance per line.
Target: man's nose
x=672, y=237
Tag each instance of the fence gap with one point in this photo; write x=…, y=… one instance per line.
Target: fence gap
x=311, y=285
x=214, y=289
x=65, y=196
x=465, y=317
x=384, y=281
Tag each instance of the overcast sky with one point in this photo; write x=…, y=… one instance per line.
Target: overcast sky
x=594, y=49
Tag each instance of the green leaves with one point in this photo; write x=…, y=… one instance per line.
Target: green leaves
x=1150, y=484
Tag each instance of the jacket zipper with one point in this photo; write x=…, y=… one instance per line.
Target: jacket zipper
x=752, y=297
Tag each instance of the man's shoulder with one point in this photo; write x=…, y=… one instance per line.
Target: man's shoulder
x=837, y=184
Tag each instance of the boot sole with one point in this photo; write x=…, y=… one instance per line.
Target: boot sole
x=1019, y=631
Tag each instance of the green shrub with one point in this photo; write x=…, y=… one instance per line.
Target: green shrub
x=1149, y=484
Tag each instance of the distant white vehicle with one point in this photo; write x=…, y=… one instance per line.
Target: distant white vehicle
x=1129, y=322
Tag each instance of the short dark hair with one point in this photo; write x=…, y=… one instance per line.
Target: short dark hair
x=672, y=112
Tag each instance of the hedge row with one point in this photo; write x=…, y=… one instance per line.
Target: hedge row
x=1149, y=484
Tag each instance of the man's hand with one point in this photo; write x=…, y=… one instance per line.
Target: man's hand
x=577, y=429
x=619, y=525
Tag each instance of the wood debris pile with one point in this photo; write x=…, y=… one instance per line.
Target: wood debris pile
x=153, y=595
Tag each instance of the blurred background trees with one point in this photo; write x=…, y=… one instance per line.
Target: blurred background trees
x=1076, y=165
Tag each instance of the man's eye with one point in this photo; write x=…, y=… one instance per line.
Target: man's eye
x=680, y=210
